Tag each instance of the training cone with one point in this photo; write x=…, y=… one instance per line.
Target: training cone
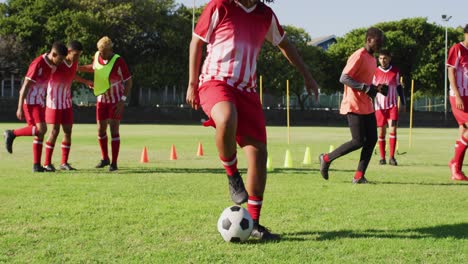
x=307, y=160
x=269, y=165
x=173, y=153
x=287, y=159
x=332, y=148
x=200, y=150
x=144, y=156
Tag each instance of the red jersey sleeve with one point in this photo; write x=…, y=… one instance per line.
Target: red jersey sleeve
x=453, y=56
x=34, y=70
x=209, y=19
x=275, y=33
x=122, y=69
x=353, y=64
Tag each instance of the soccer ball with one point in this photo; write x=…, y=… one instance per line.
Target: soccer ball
x=235, y=224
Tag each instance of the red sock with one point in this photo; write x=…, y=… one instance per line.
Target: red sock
x=65, y=151
x=103, y=144
x=358, y=175
x=254, y=206
x=37, y=151
x=382, y=147
x=25, y=131
x=230, y=164
x=393, y=139
x=115, y=148
x=460, y=150
x=326, y=158
x=49, y=150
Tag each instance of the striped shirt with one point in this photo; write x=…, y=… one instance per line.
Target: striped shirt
x=118, y=76
x=59, y=88
x=39, y=72
x=235, y=35
x=390, y=77
x=458, y=59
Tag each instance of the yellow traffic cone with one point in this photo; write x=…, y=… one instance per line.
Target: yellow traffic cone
x=269, y=165
x=288, y=159
x=307, y=160
x=332, y=148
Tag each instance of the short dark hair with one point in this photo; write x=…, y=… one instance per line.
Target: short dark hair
x=385, y=53
x=60, y=48
x=75, y=45
x=466, y=28
x=374, y=32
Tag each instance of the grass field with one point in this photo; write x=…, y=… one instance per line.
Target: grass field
x=166, y=211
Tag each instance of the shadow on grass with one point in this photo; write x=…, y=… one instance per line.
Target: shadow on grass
x=455, y=231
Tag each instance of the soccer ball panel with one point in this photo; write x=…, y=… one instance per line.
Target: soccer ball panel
x=235, y=224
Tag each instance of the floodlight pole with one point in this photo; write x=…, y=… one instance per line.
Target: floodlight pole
x=446, y=19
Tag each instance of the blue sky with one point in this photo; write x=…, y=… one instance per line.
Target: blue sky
x=337, y=17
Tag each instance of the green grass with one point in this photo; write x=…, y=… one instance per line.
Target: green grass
x=166, y=211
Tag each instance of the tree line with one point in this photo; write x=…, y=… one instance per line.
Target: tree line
x=153, y=36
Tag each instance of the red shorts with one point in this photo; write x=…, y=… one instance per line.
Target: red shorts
x=460, y=115
x=34, y=114
x=383, y=115
x=106, y=111
x=250, y=118
x=59, y=116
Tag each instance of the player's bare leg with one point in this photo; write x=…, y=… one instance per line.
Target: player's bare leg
x=256, y=153
x=102, y=138
x=66, y=144
x=224, y=115
x=455, y=164
x=382, y=133
x=50, y=145
x=392, y=127
x=114, y=125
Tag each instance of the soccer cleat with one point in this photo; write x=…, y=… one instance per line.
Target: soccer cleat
x=262, y=233
x=103, y=163
x=382, y=162
x=457, y=175
x=237, y=189
x=324, y=166
x=37, y=168
x=67, y=167
x=361, y=180
x=9, y=138
x=49, y=168
x=392, y=161
x=113, y=167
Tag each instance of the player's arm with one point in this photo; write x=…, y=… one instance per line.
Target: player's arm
x=22, y=95
x=290, y=52
x=86, y=68
x=88, y=83
x=401, y=94
x=370, y=90
x=453, y=84
x=195, y=56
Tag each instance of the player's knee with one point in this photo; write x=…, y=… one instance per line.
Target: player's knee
x=357, y=142
x=41, y=130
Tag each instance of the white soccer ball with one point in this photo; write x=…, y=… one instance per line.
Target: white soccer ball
x=235, y=224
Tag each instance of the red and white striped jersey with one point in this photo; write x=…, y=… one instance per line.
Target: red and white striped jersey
x=234, y=35
x=117, y=77
x=390, y=77
x=59, y=88
x=39, y=73
x=458, y=59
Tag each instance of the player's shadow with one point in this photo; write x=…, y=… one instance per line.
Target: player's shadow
x=419, y=183
x=454, y=231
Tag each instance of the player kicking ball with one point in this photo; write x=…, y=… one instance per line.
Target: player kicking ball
x=457, y=63
x=386, y=106
x=225, y=88
x=59, y=111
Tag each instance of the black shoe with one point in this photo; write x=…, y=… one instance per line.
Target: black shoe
x=237, y=189
x=38, y=168
x=103, y=163
x=67, y=167
x=392, y=161
x=382, y=162
x=262, y=233
x=361, y=180
x=324, y=166
x=9, y=138
x=113, y=167
x=49, y=168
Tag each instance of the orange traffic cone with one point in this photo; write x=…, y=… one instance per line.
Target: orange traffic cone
x=200, y=149
x=144, y=156
x=173, y=153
